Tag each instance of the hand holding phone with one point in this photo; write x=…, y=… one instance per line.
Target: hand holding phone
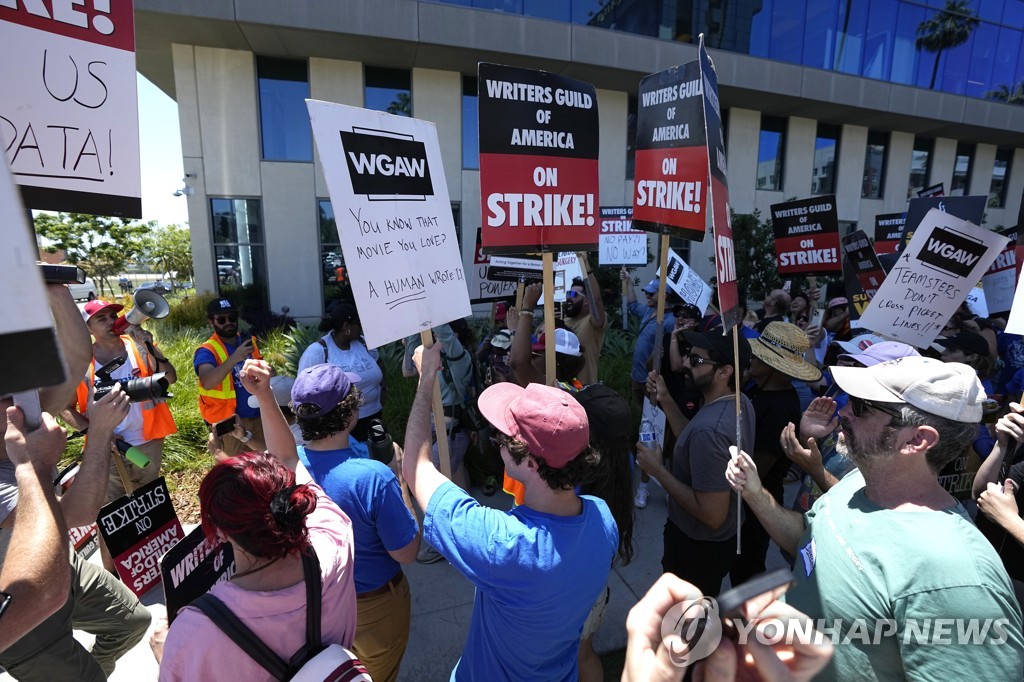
x=223, y=428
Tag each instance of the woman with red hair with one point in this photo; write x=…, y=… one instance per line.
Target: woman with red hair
x=255, y=503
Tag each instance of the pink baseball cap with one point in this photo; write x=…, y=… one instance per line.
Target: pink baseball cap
x=549, y=420
x=96, y=305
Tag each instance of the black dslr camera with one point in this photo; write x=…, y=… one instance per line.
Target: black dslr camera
x=138, y=389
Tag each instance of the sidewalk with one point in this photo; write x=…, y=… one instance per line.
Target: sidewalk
x=442, y=601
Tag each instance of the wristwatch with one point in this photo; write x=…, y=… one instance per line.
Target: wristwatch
x=247, y=437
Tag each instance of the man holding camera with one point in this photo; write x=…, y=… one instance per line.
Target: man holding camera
x=148, y=421
x=221, y=395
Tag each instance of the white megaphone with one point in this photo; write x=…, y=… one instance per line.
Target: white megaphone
x=148, y=305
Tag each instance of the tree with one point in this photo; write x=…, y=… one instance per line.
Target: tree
x=100, y=245
x=170, y=247
x=949, y=28
x=755, y=254
x=1006, y=93
x=402, y=105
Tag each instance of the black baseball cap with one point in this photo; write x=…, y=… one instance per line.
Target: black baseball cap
x=719, y=347
x=220, y=305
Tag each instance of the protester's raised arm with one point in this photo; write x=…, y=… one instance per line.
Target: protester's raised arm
x=36, y=576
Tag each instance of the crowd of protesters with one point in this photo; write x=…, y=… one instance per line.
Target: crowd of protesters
x=866, y=432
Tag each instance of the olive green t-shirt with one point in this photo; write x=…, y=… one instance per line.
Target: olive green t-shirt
x=874, y=579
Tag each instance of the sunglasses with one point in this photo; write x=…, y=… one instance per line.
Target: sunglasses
x=571, y=294
x=860, y=405
x=224, y=319
x=696, y=360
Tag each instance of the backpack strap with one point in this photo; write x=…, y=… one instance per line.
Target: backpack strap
x=324, y=344
x=241, y=635
x=313, y=645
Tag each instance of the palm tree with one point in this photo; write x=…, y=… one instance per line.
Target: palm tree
x=1006, y=93
x=949, y=28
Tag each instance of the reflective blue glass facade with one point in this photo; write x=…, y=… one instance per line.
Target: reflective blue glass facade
x=871, y=38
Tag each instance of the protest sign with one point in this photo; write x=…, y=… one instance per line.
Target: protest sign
x=1015, y=322
x=396, y=228
x=481, y=287
x=85, y=539
x=656, y=416
x=1000, y=281
x=192, y=567
x=538, y=161
x=29, y=355
x=807, y=236
x=938, y=190
x=671, y=172
x=976, y=302
x=565, y=269
x=939, y=267
x=855, y=296
x=68, y=106
x=888, y=230
x=686, y=283
x=971, y=209
x=721, y=220
x=507, y=269
x=863, y=263
x=957, y=477
x=138, y=529
x=619, y=243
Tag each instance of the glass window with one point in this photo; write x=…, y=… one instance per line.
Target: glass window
x=631, y=109
x=962, y=169
x=826, y=158
x=333, y=274
x=470, y=124
x=239, y=249
x=388, y=90
x=874, y=165
x=920, y=165
x=1000, y=177
x=284, y=121
x=770, y=151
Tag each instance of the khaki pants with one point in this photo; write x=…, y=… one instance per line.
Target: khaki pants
x=232, y=446
x=138, y=476
x=382, y=631
x=98, y=603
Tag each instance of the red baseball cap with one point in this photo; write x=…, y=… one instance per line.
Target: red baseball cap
x=96, y=305
x=549, y=420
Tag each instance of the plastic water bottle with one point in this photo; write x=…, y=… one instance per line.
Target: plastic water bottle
x=648, y=436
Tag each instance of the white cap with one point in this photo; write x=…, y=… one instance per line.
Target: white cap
x=944, y=389
x=567, y=343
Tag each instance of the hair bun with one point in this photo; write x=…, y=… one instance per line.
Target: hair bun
x=291, y=505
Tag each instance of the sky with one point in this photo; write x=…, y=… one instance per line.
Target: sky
x=160, y=148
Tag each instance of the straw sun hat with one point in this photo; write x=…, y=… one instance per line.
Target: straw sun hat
x=782, y=346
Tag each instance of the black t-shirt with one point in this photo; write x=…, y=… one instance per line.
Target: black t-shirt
x=688, y=399
x=772, y=411
x=1010, y=551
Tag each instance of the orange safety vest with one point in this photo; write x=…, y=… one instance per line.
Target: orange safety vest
x=157, y=421
x=218, y=404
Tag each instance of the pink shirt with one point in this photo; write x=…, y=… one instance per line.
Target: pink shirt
x=196, y=649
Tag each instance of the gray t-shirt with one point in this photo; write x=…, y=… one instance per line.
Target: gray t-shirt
x=8, y=501
x=700, y=459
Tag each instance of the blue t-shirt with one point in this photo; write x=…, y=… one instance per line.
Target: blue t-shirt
x=368, y=491
x=204, y=356
x=537, y=576
x=645, y=340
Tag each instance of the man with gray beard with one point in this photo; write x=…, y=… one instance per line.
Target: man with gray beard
x=887, y=561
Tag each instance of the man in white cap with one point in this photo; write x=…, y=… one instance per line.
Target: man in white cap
x=538, y=568
x=887, y=559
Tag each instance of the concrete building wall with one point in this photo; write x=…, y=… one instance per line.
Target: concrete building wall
x=219, y=115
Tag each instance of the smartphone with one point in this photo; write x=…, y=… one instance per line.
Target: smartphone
x=816, y=319
x=223, y=428
x=730, y=602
